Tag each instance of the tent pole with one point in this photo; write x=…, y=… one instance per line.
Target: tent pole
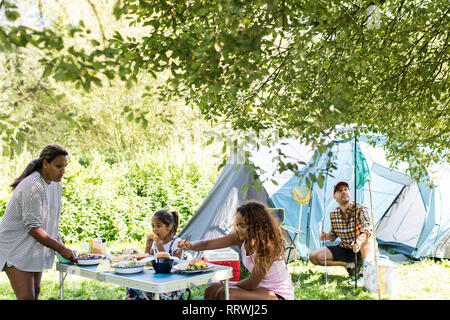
x=323, y=221
x=377, y=274
x=356, y=254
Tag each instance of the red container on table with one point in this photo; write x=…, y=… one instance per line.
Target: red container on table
x=224, y=257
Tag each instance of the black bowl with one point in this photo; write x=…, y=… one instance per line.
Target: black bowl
x=163, y=265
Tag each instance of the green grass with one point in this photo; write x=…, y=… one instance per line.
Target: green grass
x=423, y=280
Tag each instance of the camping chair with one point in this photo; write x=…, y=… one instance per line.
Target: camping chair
x=302, y=196
x=278, y=213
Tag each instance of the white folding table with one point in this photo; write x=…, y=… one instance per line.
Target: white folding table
x=148, y=280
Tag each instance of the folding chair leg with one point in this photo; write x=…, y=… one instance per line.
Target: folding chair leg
x=289, y=254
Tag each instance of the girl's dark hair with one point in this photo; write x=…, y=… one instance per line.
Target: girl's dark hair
x=168, y=218
x=49, y=153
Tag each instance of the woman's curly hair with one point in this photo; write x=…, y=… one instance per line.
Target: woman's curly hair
x=264, y=232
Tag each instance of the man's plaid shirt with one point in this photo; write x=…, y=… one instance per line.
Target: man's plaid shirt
x=343, y=224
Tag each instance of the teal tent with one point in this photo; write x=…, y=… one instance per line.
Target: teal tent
x=409, y=217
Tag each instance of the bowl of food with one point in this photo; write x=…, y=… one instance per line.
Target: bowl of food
x=162, y=263
x=89, y=259
x=127, y=267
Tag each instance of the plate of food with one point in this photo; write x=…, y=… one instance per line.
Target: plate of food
x=141, y=256
x=129, y=254
x=193, y=266
x=127, y=267
x=89, y=259
x=147, y=260
x=122, y=257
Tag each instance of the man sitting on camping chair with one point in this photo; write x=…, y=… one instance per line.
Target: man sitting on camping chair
x=343, y=227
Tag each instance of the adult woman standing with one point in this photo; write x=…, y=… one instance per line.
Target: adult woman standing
x=29, y=229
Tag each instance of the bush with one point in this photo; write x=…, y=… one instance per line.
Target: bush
x=117, y=201
x=3, y=204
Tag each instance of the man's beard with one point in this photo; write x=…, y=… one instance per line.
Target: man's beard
x=344, y=202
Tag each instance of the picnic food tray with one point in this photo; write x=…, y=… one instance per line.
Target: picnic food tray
x=88, y=259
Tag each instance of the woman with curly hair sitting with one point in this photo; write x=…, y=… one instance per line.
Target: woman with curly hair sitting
x=258, y=235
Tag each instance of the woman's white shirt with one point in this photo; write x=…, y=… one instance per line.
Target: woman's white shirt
x=34, y=203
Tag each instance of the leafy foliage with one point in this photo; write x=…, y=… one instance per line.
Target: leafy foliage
x=306, y=67
x=303, y=67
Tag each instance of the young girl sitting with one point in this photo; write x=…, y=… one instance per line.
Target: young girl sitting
x=258, y=235
x=162, y=239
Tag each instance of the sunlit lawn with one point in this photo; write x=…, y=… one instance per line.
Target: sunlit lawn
x=424, y=280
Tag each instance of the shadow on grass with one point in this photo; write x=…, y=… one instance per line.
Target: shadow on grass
x=82, y=290
x=312, y=283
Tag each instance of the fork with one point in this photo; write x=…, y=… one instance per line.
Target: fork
x=188, y=238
